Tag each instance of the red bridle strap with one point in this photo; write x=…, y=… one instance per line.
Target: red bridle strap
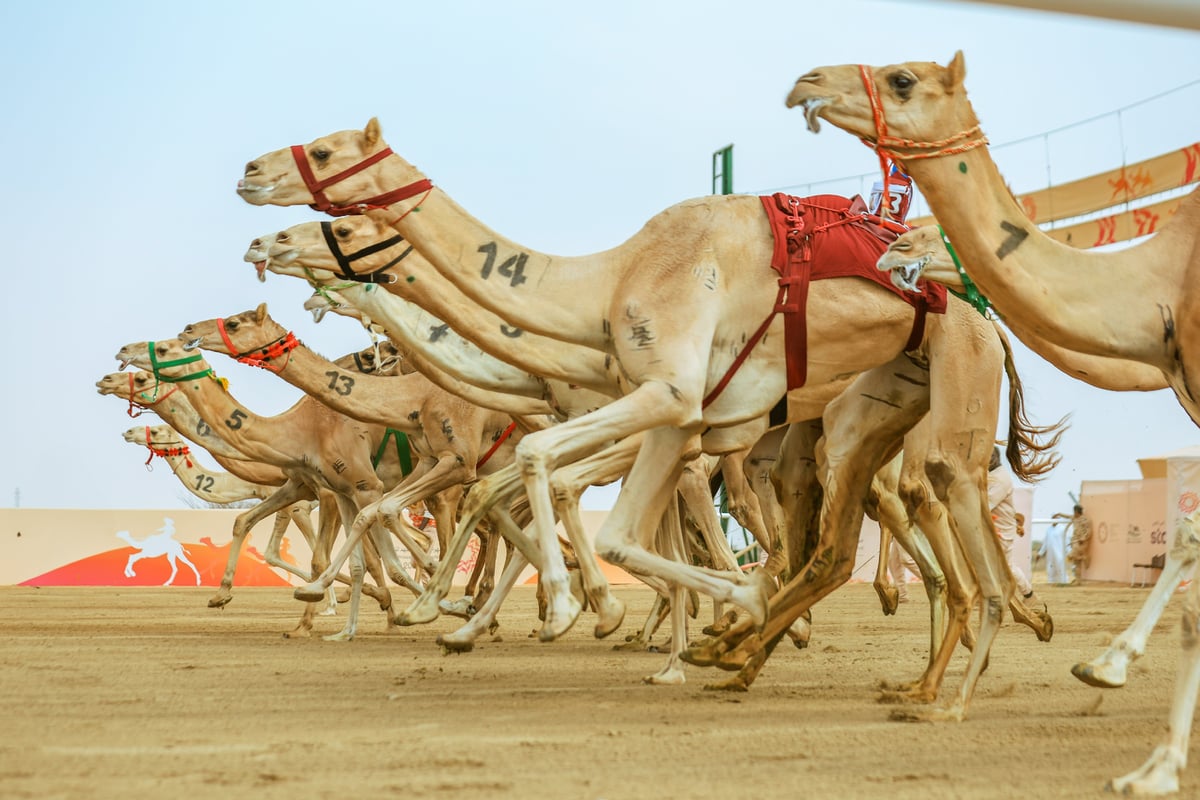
x=885, y=145
x=144, y=405
x=322, y=203
x=261, y=357
x=183, y=450
x=496, y=445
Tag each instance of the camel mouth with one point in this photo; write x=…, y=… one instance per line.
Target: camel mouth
x=319, y=313
x=192, y=344
x=124, y=362
x=812, y=107
x=253, y=193
x=260, y=269
x=905, y=276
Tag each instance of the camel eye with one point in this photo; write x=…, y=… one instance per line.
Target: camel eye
x=320, y=154
x=231, y=325
x=902, y=82
x=343, y=231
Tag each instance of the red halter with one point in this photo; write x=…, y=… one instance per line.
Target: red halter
x=144, y=405
x=323, y=203
x=170, y=451
x=884, y=145
x=261, y=356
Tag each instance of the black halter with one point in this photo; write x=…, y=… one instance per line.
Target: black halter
x=344, y=260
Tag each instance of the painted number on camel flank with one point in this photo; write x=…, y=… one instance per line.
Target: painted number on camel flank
x=204, y=483
x=512, y=267
x=235, y=419
x=342, y=384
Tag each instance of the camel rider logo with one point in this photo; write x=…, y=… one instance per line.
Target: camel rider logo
x=161, y=544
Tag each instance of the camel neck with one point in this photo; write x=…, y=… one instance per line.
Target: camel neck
x=533, y=291
x=1060, y=293
x=494, y=355
x=388, y=400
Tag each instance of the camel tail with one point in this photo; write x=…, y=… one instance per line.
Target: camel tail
x=1031, y=448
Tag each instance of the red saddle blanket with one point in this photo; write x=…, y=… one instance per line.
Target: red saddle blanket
x=828, y=236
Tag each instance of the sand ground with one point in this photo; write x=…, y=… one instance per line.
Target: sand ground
x=149, y=693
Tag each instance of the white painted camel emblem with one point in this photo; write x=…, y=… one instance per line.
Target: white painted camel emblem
x=161, y=544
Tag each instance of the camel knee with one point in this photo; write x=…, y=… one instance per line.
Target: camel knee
x=941, y=473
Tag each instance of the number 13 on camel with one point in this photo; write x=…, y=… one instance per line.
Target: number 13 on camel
x=677, y=306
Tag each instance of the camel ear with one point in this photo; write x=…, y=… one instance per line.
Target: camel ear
x=372, y=132
x=956, y=72
x=260, y=313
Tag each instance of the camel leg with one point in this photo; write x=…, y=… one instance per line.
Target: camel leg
x=280, y=499
x=463, y=639
x=889, y=595
x=1160, y=773
x=495, y=488
x=623, y=539
x=1110, y=668
x=356, y=583
x=860, y=431
x=671, y=540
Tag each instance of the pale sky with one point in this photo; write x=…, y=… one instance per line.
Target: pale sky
x=564, y=126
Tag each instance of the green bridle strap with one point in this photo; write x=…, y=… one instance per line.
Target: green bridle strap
x=972, y=294
x=403, y=453
x=155, y=366
x=324, y=290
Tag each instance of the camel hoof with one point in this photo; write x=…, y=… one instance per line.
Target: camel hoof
x=721, y=625
x=298, y=633
x=1047, y=631
x=310, y=593
x=610, y=613
x=702, y=655
x=342, y=595
x=668, y=677
x=420, y=612
x=754, y=595
x=889, y=599
x=1094, y=676
x=633, y=644
x=340, y=636
x=220, y=600
x=560, y=621
x=460, y=608
x=452, y=645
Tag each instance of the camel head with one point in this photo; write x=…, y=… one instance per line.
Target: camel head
x=256, y=254
x=921, y=104
x=382, y=358
x=334, y=174
x=920, y=253
x=359, y=249
x=325, y=300
x=170, y=361
x=125, y=384
x=162, y=437
x=246, y=333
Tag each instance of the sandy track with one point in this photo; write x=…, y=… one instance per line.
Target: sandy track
x=148, y=693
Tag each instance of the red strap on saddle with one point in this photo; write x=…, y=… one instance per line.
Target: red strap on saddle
x=496, y=445
x=825, y=236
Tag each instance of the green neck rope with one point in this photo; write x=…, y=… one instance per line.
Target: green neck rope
x=403, y=453
x=971, y=294
x=324, y=290
x=156, y=365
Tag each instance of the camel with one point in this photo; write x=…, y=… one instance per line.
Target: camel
x=677, y=331
x=163, y=543
x=918, y=115
x=316, y=447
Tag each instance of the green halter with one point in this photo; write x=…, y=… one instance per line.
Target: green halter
x=155, y=366
x=971, y=294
